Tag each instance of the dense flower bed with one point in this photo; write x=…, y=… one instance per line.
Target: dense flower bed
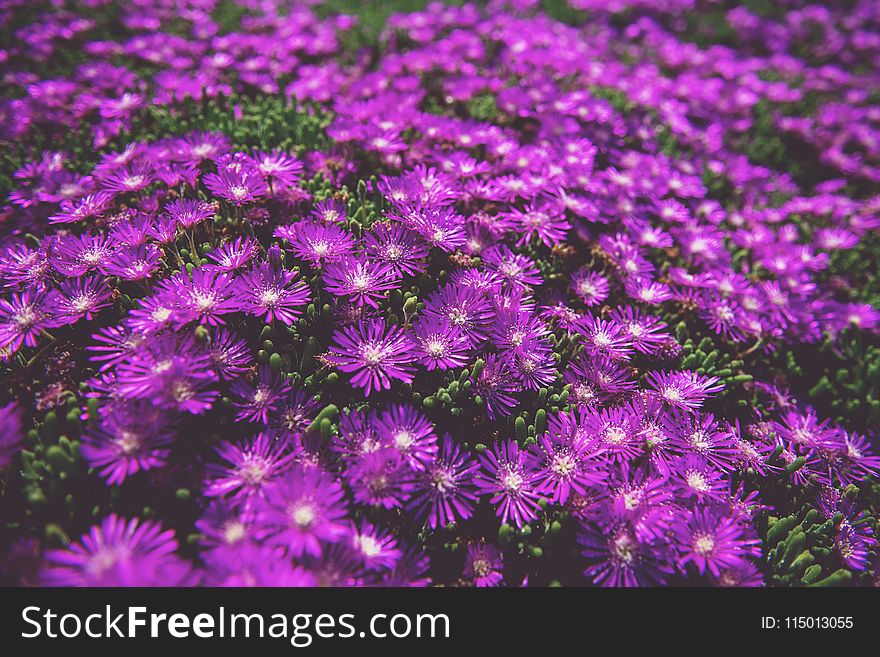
x=460, y=295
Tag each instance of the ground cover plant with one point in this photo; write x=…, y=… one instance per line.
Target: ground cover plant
x=406, y=294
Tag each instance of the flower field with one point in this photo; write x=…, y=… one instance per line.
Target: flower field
x=439, y=294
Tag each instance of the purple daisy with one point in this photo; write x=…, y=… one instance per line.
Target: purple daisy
x=75, y=256
x=374, y=353
x=25, y=316
x=229, y=354
x=465, y=308
x=259, y=400
x=590, y=286
x=278, y=167
x=445, y=488
x=130, y=439
x=171, y=371
x=483, y=565
x=397, y=246
x=271, y=293
x=509, y=475
x=439, y=345
x=623, y=559
x=409, y=432
x=364, y=282
x=568, y=465
x=234, y=255
x=262, y=567
x=684, y=389
x=302, y=511
x=188, y=213
x=119, y=552
x=712, y=541
x=238, y=186
x=81, y=298
x=317, y=243
x=135, y=263
x=375, y=548
x=11, y=433
x=204, y=295
x=494, y=386
x=381, y=478
x=248, y=468
x=515, y=268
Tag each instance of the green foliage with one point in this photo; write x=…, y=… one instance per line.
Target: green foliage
x=840, y=378
x=262, y=122
x=799, y=546
x=711, y=357
x=483, y=107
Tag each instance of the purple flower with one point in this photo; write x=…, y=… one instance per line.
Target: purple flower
x=515, y=268
x=119, y=552
x=154, y=314
x=494, y=386
x=204, y=295
x=605, y=338
x=278, y=166
x=439, y=227
x=439, y=345
x=263, y=567
x=187, y=212
x=297, y=412
x=397, y=246
x=257, y=401
x=81, y=298
x=376, y=549
x=381, y=478
x=231, y=256
x=238, y=186
x=645, y=332
x=128, y=440
x=446, y=491
x=86, y=207
x=225, y=528
x=465, y=308
x=170, y=371
x=303, y=511
x=409, y=432
x=329, y=211
x=623, y=559
x=695, y=478
x=853, y=461
x=116, y=344
x=712, y=541
x=374, y=353
x=230, y=356
x=75, y=256
x=317, y=243
x=134, y=263
x=362, y=281
x=483, y=565
x=532, y=363
x=568, y=465
x=684, y=389
x=132, y=178
x=197, y=147
x=248, y=468
x=271, y=293
x=544, y=221
x=11, y=433
x=508, y=474
x=590, y=286
x=25, y=316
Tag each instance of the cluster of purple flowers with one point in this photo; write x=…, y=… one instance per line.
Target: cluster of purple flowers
x=478, y=343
